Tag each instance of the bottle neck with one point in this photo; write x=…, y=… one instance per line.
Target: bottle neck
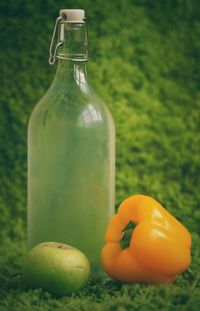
x=72, y=54
x=73, y=37
x=71, y=72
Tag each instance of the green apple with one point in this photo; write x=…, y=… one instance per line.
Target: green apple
x=55, y=267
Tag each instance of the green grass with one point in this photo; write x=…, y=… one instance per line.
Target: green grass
x=145, y=64
x=100, y=294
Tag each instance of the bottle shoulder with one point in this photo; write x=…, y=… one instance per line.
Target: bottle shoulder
x=81, y=107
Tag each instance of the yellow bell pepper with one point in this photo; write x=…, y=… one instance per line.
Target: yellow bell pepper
x=145, y=243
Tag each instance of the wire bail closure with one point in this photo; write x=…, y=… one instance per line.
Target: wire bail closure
x=53, y=56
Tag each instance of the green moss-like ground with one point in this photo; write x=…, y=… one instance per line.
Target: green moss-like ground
x=145, y=64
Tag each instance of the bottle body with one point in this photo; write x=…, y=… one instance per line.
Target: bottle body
x=71, y=167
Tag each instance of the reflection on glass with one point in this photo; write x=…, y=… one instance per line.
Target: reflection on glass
x=80, y=78
x=89, y=116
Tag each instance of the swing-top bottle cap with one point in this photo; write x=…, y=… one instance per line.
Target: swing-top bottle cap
x=73, y=15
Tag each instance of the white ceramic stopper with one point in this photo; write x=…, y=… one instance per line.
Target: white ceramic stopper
x=74, y=15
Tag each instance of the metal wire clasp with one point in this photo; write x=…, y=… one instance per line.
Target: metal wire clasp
x=52, y=54
x=53, y=51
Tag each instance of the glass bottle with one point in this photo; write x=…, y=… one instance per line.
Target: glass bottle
x=71, y=151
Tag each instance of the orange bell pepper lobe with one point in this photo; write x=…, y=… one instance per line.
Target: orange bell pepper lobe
x=145, y=243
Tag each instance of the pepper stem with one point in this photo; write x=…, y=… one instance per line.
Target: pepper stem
x=127, y=234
